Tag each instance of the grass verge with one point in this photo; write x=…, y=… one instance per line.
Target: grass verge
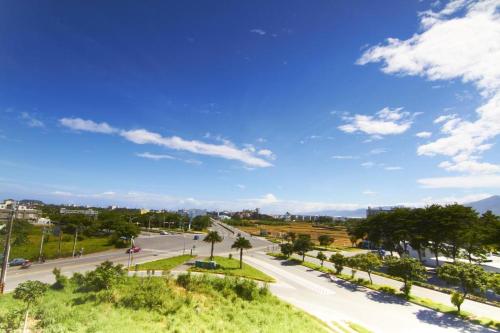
x=164, y=264
x=161, y=304
x=358, y=328
x=231, y=267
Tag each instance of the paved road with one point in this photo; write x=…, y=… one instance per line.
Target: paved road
x=480, y=309
x=153, y=247
x=340, y=302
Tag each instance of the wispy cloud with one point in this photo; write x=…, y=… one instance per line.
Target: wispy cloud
x=31, y=121
x=393, y=168
x=155, y=157
x=385, y=122
x=258, y=31
x=226, y=150
x=423, y=135
x=344, y=157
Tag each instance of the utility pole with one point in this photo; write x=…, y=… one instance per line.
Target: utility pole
x=41, y=245
x=6, y=251
x=130, y=252
x=74, y=242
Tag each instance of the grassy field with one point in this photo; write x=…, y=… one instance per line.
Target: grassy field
x=339, y=233
x=200, y=304
x=231, y=267
x=31, y=249
x=165, y=264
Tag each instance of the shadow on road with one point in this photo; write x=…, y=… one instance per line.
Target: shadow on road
x=445, y=320
x=381, y=297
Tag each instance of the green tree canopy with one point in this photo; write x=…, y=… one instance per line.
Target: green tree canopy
x=241, y=244
x=409, y=269
x=212, y=237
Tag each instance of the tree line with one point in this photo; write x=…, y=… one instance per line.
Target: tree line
x=453, y=230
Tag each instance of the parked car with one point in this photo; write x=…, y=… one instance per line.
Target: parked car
x=26, y=264
x=196, y=237
x=163, y=232
x=133, y=249
x=17, y=262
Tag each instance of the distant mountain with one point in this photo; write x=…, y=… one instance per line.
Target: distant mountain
x=344, y=213
x=492, y=203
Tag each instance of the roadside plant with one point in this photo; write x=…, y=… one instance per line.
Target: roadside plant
x=352, y=262
x=61, y=280
x=30, y=293
x=321, y=257
x=286, y=249
x=11, y=320
x=302, y=245
x=409, y=269
x=468, y=277
x=368, y=262
x=338, y=261
x=241, y=244
x=212, y=237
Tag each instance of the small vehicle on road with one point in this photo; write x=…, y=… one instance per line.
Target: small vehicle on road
x=26, y=264
x=196, y=237
x=133, y=249
x=17, y=262
x=163, y=232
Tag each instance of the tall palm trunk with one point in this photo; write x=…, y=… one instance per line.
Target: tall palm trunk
x=241, y=258
x=212, y=251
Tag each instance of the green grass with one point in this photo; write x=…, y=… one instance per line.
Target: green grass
x=358, y=328
x=31, y=249
x=209, y=305
x=231, y=267
x=165, y=264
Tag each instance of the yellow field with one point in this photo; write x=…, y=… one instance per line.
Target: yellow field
x=339, y=234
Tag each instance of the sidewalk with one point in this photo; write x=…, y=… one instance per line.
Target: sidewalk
x=477, y=308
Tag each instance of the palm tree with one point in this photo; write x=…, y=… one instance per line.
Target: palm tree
x=212, y=237
x=241, y=244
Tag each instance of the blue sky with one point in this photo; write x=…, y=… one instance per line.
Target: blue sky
x=284, y=105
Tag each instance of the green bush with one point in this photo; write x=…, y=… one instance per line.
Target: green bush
x=61, y=280
x=105, y=276
x=11, y=320
x=387, y=289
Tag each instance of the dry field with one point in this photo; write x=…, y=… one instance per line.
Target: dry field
x=339, y=234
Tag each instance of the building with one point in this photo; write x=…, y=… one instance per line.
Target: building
x=87, y=212
x=23, y=212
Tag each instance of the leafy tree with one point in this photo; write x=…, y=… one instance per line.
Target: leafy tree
x=241, y=244
x=494, y=282
x=409, y=269
x=290, y=236
x=302, y=245
x=201, y=222
x=286, y=249
x=435, y=229
x=325, y=240
x=338, y=261
x=368, y=262
x=321, y=257
x=457, y=220
x=491, y=224
x=30, y=293
x=468, y=277
x=417, y=237
x=212, y=237
x=352, y=262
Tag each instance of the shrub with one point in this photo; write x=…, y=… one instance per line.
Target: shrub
x=151, y=294
x=11, y=321
x=246, y=289
x=105, y=276
x=61, y=280
x=387, y=289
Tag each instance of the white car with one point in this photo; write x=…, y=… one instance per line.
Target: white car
x=164, y=233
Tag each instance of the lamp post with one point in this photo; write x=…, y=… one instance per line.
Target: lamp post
x=6, y=251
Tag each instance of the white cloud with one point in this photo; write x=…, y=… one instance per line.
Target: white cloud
x=155, y=157
x=393, y=168
x=470, y=181
x=258, y=31
x=461, y=41
x=470, y=166
x=385, y=122
x=31, y=121
x=344, y=157
x=369, y=192
x=266, y=153
x=241, y=186
x=225, y=150
x=377, y=151
x=79, y=124
x=423, y=135
x=367, y=164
